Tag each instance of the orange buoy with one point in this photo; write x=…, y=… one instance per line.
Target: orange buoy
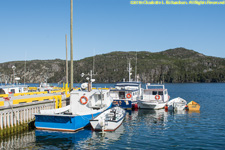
x=85, y=98
x=157, y=97
x=129, y=95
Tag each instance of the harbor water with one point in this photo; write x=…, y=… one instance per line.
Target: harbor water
x=146, y=129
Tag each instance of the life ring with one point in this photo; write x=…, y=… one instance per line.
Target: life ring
x=157, y=97
x=129, y=95
x=86, y=100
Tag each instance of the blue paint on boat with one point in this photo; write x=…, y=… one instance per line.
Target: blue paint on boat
x=123, y=103
x=70, y=123
x=76, y=115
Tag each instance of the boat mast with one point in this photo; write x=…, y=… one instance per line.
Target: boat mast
x=136, y=68
x=129, y=71
x=94, y=62
x=66, y=62
x=71, y=44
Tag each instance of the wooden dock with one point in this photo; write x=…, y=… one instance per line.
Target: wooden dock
x=17, y=112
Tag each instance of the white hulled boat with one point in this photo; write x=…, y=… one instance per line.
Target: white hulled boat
x=109, y=120
x=84, y=106
x=126, y=93
x=155, y=96
x=177, y=104
x=11, y=89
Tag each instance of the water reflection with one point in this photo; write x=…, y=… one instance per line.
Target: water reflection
x=183, y=112
x=20, y=141
x=101, y=140
x=153, y=116
x=194, y=111
x=61, y=140
x=83, y=139
x=137, y=124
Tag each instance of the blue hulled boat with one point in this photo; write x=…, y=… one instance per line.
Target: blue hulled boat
x=84, y=105
x=126, y=93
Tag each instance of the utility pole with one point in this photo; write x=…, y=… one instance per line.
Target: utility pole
x=13, y=68
x=71, y=43
x=66, y=63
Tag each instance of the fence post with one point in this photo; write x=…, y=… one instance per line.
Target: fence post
x=1, y=122
x=60, y=101
x=56, y=102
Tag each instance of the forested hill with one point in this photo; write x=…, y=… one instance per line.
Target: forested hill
x=172, y=66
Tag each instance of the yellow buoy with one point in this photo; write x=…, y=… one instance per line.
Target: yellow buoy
x=193, y=106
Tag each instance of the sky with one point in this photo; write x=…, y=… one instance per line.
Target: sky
x=36, y=29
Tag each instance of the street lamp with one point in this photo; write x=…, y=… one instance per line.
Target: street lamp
x=13, y=68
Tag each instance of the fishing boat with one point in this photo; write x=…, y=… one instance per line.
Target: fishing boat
x=45, y=86
x=126, y=93
x=108, y=120
x=177, y=104
x=155, y=96
x=11, y=89
x=85, y=104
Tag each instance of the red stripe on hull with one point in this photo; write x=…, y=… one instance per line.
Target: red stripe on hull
x=106, y=130
x=65, y=130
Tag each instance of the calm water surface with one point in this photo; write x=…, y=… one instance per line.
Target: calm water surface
x=147, y=129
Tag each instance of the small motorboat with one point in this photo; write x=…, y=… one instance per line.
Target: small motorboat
x=177, y=104
x=108, y=120
x=193, y=106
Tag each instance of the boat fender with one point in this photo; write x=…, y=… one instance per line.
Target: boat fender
x=129, y=95
x=83, y=102
x=157, y=97
x=166, y=107
x=186, y=107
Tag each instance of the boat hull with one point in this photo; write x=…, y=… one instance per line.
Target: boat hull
x=149, y=105
x=108, y=120
x=126, y=104
x=62, y=123
x=177, y=104
x=70, y=123
x=111, y=126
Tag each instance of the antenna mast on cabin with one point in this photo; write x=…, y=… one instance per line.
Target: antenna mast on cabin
x=94, y=62
x=129, y=71
x=136, y=68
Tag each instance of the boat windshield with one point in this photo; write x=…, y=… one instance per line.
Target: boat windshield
x=157, y=92
x=122, y=95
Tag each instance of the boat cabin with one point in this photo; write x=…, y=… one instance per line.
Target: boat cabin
x=156, y=92
x=126, y=90
x=83, y=101
x=45, y=87
x=11, y=89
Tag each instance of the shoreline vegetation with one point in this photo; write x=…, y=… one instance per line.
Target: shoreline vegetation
x=177, y=65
